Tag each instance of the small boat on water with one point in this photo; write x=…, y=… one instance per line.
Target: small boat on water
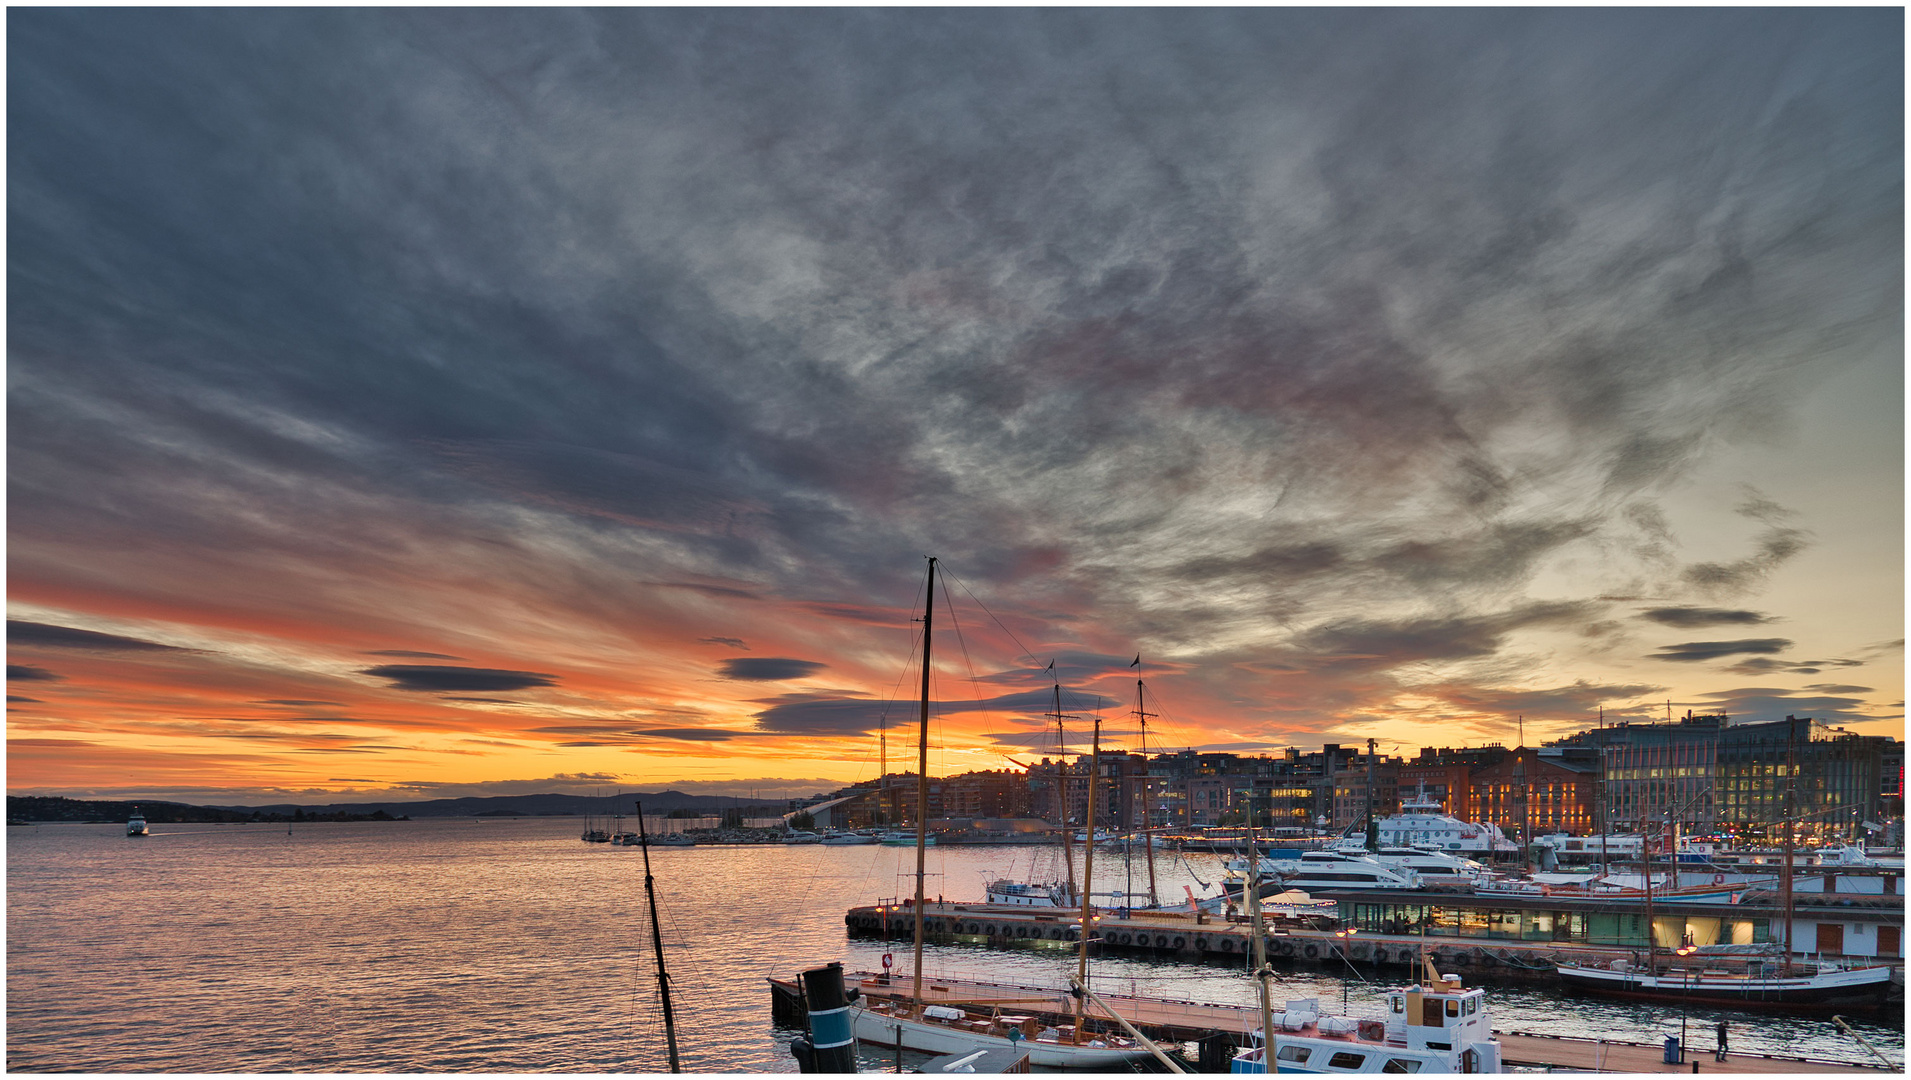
x=136, y=825
x=950, y=1029
x=1432, y=1027
x=674, y=840
x=905, y=839
x=847, y=839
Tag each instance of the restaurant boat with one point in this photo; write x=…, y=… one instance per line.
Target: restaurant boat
x=1433, y=1027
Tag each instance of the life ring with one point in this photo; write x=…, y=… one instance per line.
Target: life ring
x=1313, y=952
x=1718, y=879
x=889, y=961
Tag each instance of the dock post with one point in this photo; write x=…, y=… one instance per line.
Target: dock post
x=831, y=1047
x=1217, y=1053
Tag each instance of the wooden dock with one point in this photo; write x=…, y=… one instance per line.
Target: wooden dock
x=1192, y=1021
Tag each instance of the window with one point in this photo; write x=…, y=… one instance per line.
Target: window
x=1453, y=1006
x=1294, y=1053
x=1398, y=1003
x=1472, y=1006
x=1346, y=1059
x=1401, y=1065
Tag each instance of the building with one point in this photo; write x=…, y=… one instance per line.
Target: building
x=1532, y=793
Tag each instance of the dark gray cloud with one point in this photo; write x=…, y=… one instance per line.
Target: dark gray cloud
x=1688, y=618
x=1763, y=665
x=1357, y=644
x=297, y=702
x=768, y=668
x=831, y=714
x=41, y=635
x=434, y=679
x=1712, y=650
x=658, y=308
x=408, y=654
x=731, y=642
x=17, y=699
x=29, y=673
x=1758, y=703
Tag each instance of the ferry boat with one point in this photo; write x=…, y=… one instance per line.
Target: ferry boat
x=1420, y=823
x=1434, y=1027
x=136, y=825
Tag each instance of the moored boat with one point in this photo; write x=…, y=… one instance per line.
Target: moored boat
x=1434, y=1027
x=1747, y=983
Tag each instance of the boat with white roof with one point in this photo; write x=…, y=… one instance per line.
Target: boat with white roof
x=1433, y=1027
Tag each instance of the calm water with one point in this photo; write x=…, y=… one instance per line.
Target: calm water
x=511, y=946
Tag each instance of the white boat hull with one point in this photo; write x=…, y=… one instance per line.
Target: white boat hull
x=881, y=1029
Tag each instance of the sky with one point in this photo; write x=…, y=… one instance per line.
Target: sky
x=410, y=403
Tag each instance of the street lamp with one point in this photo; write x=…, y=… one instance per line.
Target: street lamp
x=1685, y=996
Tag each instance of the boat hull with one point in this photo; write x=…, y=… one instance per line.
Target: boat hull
x=1857, y=986
x=881, y=1029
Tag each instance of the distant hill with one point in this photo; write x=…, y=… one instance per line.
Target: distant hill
x=47, y=808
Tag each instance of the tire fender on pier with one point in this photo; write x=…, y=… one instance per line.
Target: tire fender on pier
x=1313, y=952
x=1201, y=943
x=1180, y=943
x=1285, y=948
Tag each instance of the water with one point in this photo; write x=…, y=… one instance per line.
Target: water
x=510, y=946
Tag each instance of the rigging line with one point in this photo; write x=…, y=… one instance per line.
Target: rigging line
x=947, y=576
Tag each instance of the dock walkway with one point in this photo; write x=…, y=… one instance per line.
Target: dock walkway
x=1191, y=1021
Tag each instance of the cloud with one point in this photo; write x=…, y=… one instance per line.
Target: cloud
x=407, y=653
x=432, y=679
x=1770, y=703
x=1355, y=644
x=1761, y=665
x=768, y=669
x=31, y=634
x=734, y=643
x=1692, y=651
x=18, y=699
x=1776, y=544
x=29, y=673
x=1687, y=618
x=300, y=702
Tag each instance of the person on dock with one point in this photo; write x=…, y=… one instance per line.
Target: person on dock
x=1721, y=1050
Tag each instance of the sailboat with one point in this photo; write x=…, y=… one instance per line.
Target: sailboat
x=953, y=1027
x=1049, y=894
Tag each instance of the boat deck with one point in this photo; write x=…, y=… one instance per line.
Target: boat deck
x=1191, y=1020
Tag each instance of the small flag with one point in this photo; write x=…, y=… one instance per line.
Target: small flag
x=1137, y=660
x=1051, y=665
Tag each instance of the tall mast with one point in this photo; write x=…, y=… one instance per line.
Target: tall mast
x=1791, y=824
x=1645, y=850
x=882, y=769
x=1373, y=827
x=1261, y=970
x=657, y=943
x=1147, y=836
x=922, y=778
x=1088, y=880
x=1061, y=789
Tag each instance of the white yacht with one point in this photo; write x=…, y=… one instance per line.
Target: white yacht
x=1027, y=894
x=1331, y=870
x=136, y=825
x=1434, y=867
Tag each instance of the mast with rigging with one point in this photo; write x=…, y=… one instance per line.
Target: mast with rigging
x=1088, y=880
x=1147, y=836
x=922, y=781
x=657, y=943
x=1061, y=788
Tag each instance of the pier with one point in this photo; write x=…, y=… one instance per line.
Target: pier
x=1217, y=1029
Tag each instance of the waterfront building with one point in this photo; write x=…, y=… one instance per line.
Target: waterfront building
x=1536, y=792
